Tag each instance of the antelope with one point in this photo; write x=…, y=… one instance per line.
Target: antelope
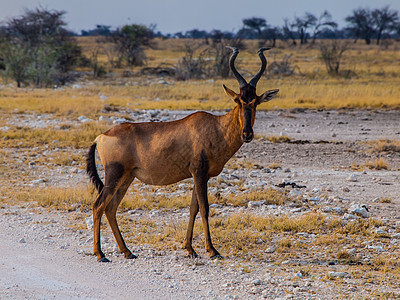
x=197, y=146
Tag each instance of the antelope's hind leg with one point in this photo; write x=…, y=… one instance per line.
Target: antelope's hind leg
x=111, y=214
x=114, y=173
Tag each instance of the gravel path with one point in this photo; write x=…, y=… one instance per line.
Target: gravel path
x=42, y=259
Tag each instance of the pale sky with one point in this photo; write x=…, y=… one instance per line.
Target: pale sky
x=172, y=16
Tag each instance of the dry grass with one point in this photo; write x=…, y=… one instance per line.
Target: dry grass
x=67, y=199
x=137, y=200
x=377, y=84
x=247, y=235
x=378, y=164
x=80, y=136
x=384, y=146
x=275, y=165
x=278, y=139
x=268, y=196
x=385, y=200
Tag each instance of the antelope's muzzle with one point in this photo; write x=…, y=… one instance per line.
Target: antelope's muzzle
x=247, y=136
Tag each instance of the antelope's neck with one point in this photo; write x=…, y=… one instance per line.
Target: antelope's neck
x=230, y=122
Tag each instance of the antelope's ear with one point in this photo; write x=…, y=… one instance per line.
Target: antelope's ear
x=231, y=93
x=268, y=95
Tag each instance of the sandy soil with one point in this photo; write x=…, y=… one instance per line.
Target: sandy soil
x=43, y=255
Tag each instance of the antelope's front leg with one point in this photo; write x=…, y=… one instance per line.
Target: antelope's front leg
x=194, y=209
x=200, y=185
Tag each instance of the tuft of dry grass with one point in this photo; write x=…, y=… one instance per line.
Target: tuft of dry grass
x=384, y=146
x=236, y=164
x=385, y=200
x=360, y=227
x=275, y=165
x=379, y=164
x=278, y=139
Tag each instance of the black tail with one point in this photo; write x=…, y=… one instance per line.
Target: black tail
x=91, y=169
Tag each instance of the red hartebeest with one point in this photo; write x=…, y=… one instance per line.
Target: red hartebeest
x=197, y=146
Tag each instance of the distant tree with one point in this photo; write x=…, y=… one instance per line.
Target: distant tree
x=103, y=30
x=196, y=34
x=385, y=20
x=271, y=34
x=247, y=33
x=256, y=24
x=288, y=33
x=324, y=22
x=130, y=40
x=179, y=35
x=328, y=33
x=303, y=24
x=307, y=26
x=361, y=24
x=37, y=48
x=15, y=61
x=38, y=25
x=216, y=35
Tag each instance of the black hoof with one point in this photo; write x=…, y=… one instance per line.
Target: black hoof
x=132, y=256
x=104, y=260
x=193, y=255
x=217, y=256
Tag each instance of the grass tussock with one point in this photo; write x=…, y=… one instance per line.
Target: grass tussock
x=360, y=227
x=384, y=146
x=278, y=139
x=275, y=165
x=385, y=200
x=379, y=164
x=236, y=164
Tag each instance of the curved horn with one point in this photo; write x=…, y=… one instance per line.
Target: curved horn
x=256, y=78
x=240, y=79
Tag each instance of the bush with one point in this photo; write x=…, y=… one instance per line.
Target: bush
x=283, y=67
x=37, y=49
x=189, y=67
x=331, y=54
x=129, y=41
x=212, y=61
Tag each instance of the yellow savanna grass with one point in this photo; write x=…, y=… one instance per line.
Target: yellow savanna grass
x=376, y=84
x=384, y=145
